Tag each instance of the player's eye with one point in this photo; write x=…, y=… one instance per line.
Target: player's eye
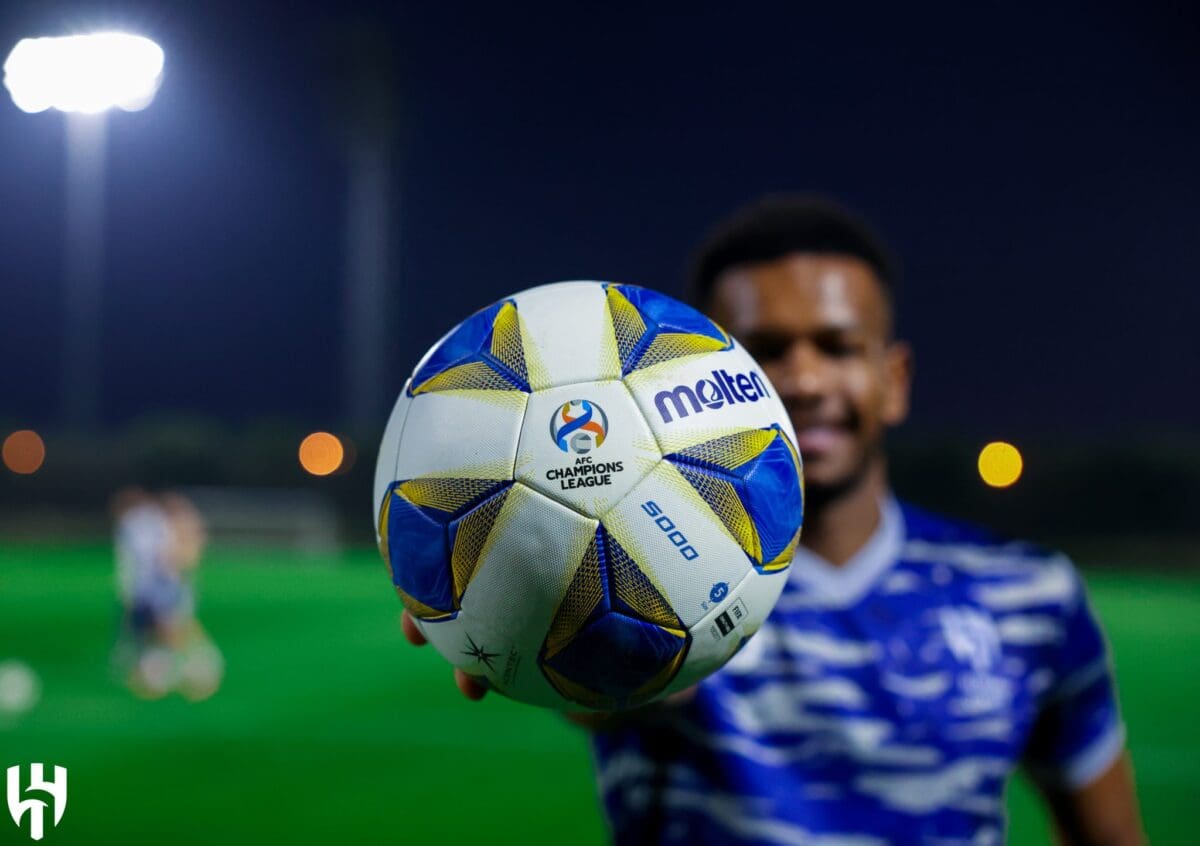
x=766, y=349
x=839, y=346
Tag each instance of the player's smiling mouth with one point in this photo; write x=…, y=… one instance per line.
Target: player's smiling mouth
x=820, y=437
x=818, y=433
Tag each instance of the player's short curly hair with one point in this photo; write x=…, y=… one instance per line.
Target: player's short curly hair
x=781, y=224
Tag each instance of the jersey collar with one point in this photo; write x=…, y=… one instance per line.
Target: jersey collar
x=844, y=585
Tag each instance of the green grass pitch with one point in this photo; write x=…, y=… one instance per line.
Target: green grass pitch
x=330, y=728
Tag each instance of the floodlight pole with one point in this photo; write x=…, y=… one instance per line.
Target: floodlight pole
x=367, y=257
x=83, y=267
x=366, y=120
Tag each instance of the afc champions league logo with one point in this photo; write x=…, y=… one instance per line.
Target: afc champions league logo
x=578, y=426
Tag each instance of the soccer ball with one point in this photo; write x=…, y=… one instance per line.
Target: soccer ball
x=589, y=494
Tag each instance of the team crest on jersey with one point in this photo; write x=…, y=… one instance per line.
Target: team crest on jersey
x=579, y=426
x=948, y=664
x=972, y=637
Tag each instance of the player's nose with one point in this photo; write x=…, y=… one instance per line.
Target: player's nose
x=803, y=375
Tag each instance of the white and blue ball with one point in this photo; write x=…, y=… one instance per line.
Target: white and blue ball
x=588, y=494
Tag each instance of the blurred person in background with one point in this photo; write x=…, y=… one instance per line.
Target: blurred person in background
x=913, y=662
x=162, y=647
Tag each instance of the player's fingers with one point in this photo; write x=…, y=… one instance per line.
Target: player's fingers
x=411, y=632
x=682, y=697
x=590, y=721
x=472, y=687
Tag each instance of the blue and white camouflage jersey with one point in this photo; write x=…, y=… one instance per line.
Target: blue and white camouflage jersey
x=883, y=702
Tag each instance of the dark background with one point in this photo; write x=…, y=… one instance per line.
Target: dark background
x=1035, y=167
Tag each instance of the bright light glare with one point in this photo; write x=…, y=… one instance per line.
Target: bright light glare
x=84, y=73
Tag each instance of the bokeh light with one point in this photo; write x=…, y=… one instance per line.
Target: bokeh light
x=23, y=452
x=1000, y=464
x=321, y=453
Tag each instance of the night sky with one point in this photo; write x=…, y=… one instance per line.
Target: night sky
x=1037, y=171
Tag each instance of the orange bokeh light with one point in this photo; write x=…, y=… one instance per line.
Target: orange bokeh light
x=23, y=452
x=321, y=453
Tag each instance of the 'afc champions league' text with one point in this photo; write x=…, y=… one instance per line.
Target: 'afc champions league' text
x=584, y=474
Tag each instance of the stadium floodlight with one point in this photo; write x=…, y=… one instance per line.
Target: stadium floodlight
x=84, y=73
x=83, y=76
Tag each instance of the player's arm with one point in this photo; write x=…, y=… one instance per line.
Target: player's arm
x=1076, y=751
x=1101, y=813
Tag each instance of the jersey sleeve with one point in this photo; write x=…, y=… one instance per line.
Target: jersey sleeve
x=1078, y=732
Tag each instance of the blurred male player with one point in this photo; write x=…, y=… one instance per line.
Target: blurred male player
x=912, y=662
x=159, y=542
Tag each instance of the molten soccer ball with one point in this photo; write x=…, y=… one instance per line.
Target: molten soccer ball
x=589, y=494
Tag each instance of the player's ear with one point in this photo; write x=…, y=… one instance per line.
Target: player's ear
x=898, y=375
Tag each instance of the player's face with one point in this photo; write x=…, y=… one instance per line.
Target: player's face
x=820, y=326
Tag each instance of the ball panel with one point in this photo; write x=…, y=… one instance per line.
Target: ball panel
x=752, y=480
x=773, y=493
x=568, y=337
x=470, y=537
x=446, y=496
x=420, y=611
x=585, y=445
x=617, y=662
x=484, y=352
x=691, y=400
x=475, y=646
x=461, y=434
x=631, y=591
x=508, y=343
x=686, y=548
x=534, y=549
x=628, y=325
x=584, y=600
x=614, y=642
x=651, y=328
x=419, y=527
x=728, y=626
x=415, y=544
x=760, y=591
x=385, y=462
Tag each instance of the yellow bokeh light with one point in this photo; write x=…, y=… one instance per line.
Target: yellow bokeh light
x=23, y=452
x=321, y=453
x=1000, y=464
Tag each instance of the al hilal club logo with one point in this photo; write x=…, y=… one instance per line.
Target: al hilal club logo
x=579, y=426
x=35, y=807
